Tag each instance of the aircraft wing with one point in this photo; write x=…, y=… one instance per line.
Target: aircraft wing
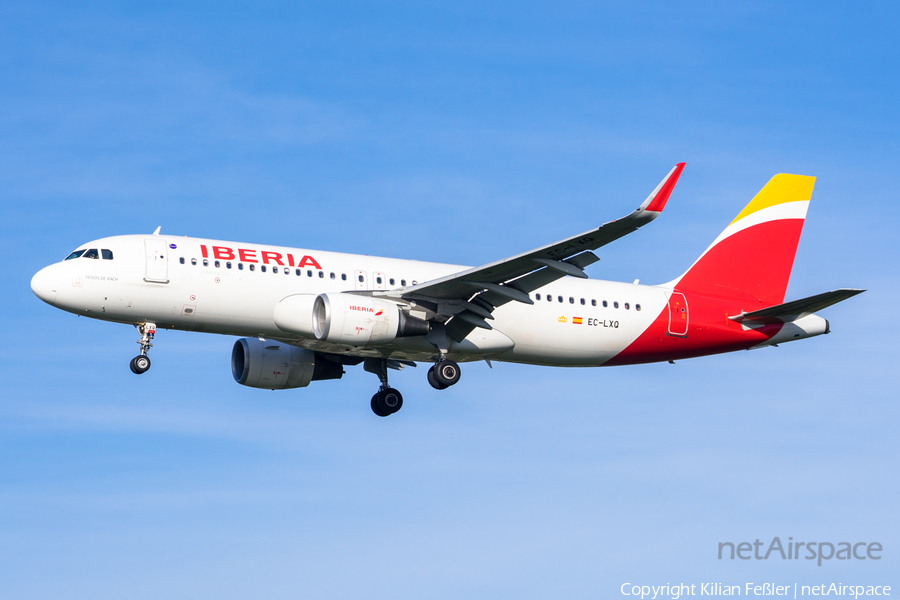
x=469, y=297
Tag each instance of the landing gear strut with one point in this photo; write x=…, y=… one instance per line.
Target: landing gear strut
x=141, y=362
x=386, y=400
x=443, y=374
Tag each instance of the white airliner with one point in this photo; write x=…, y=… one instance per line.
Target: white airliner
x=306, y=314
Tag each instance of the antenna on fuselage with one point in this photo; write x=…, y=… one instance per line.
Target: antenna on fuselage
x=157, y=230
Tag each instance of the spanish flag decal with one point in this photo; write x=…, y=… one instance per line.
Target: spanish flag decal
x=576, y=320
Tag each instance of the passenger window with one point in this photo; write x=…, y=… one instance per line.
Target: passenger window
x=92, y=253
x=181, y=260
x=298, y=272
x=637, y=307
x=228, y=265
x=107, y=255
x=194, y=262
x=309, y=273
x=627, y=306
x=240, y=266
x=262, y=268
x=217, y=264
x=537, y=296
x=605, y=304
x=343, y=277
x=391, y=281
x=571, y=300
x=582, y=301
x=252, y=267
x=378, y=280
x=205, y=262
x=274, y=269
x=321, y=274
x=360, y=278
x=287, y=271
x=549, y=298
x=75, y=254
x=559, y=298
x=415, y=282
x=593, y=303
x=332, y=275
x=403, y=282
x=616, y=304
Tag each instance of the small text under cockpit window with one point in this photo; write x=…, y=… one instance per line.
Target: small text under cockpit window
x=75, y=254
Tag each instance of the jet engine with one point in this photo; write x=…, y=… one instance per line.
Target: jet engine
x=272, y=365
x=361, y=320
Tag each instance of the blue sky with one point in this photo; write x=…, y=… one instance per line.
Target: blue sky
x=463, y=134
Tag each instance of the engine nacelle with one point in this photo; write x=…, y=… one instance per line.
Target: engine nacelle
x=361, y=320
x=275, y=366
x=294, y=314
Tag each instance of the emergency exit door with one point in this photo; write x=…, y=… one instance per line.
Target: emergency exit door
x=678, y=315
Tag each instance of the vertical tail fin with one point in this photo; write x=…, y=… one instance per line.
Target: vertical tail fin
x=752, y=259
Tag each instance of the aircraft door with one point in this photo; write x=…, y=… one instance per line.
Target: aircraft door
x=678, y=315
x=359, y=280
x=155, y=252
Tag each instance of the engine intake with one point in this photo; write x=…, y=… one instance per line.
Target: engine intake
x=362, y=320
x=272, y=365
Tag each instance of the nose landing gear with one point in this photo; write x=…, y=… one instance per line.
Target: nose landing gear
x=141, y=362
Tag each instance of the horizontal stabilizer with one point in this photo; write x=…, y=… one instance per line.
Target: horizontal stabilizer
x=789, y=311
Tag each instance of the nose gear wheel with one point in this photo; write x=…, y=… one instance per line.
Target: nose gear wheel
x=141, y=362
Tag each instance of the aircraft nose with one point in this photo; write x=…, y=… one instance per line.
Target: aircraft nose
x=44, y=286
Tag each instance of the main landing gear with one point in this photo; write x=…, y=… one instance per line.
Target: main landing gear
x=141, y=362
x=386, y=400
x=443, y=374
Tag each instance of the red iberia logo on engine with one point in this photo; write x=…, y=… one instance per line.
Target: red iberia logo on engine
x=363, y=309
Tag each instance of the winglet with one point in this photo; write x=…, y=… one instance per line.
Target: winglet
x=157, y=230
x=657, y=199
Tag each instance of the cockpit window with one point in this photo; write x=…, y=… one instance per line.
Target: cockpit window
x=106, y=254
x=75, y=254
x=92, y=253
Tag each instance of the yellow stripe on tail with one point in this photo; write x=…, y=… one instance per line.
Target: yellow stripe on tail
x=781, y=189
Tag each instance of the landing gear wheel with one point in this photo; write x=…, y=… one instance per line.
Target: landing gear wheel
x=446, y=373
x=140, y=364
x=392, y=399
x=434, y=382
x=378, y=408
x=386, y=402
